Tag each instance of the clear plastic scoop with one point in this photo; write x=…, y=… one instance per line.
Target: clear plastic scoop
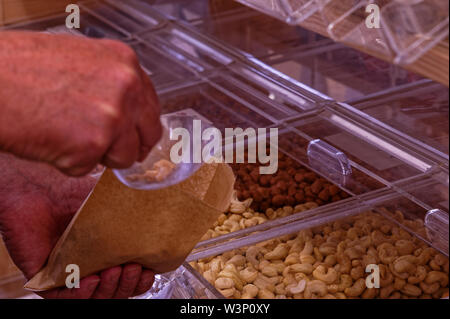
x=158, y=170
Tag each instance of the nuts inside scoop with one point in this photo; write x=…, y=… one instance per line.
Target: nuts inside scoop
x=159, y=172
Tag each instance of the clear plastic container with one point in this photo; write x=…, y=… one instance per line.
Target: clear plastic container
x=414, y=27
x=193, y=49
x=183, y=283
x=196, y=10
x=407, y=29
x=108, y=19
x=163, y=69
x=340, y=72
x=419, y=110
x=282, y=98
x=369, y=149
x=215, y=105
x=260, y=35
x=368, y=228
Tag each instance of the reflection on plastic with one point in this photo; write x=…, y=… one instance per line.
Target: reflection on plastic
x=436, y=222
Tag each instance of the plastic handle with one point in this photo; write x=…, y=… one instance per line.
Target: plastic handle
x=328, y=157
x=436, y=222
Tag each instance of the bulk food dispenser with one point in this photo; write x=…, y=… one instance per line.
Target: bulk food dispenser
x=362, y=117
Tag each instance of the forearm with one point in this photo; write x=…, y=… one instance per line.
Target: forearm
x=20, y=178
x=18, y=104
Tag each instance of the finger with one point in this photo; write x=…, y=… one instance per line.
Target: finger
x=149, y=91
x=78, y=171
x=145, y=282
x=109, y=282
x=128, y=281
x=86, y=290
x=124, y=152
x=149, y=124
x=150, y=131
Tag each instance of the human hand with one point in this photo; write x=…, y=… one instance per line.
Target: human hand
x=75, y=102
x=36, y=204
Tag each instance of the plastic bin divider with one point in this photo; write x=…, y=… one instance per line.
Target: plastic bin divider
x=293, y=223
x=280, y=221
x=285, y=229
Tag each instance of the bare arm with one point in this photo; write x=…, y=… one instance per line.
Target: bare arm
x=74, y=102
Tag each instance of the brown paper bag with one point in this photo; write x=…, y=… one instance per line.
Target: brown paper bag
x=157, y=229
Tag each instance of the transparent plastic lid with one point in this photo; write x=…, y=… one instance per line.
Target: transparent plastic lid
x=183, y=44
x=340, y=72
x=419, y=110
x=366, y=146
x=329, y=160
x=163, y=69
x=413, y=27
x=260, y=35
x=220, y=107
x=195, y=10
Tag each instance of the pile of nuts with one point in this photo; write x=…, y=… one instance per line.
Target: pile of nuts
x=159, y=172
x=329, y=261
x=290, y=186
x=240, y=215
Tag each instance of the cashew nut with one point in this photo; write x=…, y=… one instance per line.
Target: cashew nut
x=249, y=274
x=296, y=288
x=249, y=291
x=315, y=287
x=437, y=276
x=280, y=252
x=327, y=277
x=303, y=268
x=429, y=289
x=224, y=283
x=357, y=288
